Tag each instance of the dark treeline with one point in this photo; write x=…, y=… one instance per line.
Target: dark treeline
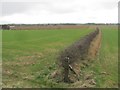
x=39, y=26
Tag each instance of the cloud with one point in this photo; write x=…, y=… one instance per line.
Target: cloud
x=9, y=8
x=59, y=11
x=112, y=4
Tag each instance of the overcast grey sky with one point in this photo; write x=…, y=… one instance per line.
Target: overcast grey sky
x=58, y=11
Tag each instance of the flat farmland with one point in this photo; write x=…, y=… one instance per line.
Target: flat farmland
x=29, y=57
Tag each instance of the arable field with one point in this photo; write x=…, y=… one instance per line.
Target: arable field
x=29, y=57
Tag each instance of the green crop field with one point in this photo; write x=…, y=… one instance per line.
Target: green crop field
x=29, y=57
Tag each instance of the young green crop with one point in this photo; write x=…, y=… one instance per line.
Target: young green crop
x=30, y=56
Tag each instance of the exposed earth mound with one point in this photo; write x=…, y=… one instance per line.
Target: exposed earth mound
x=77, y=56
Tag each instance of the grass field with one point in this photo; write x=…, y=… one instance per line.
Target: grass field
x=0, y=59
x=30, y=56
x=107, y=60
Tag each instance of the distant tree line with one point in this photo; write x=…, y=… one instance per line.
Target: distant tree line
x=9, y=26
x=5, y=27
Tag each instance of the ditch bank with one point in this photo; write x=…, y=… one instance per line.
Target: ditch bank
x=74, y=57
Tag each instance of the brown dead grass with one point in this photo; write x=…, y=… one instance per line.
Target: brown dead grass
x=48, y=27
